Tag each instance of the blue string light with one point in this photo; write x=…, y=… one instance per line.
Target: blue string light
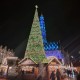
x=49, y=46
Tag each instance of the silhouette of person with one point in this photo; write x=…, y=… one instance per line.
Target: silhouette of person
x=32, y=70
x=78, y=76
x=52, y=76
x=58, y=74
x=22, y=74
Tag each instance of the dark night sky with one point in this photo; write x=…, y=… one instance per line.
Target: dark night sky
x=62, y=21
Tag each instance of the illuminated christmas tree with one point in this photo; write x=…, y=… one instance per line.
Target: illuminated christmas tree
x=35, y=48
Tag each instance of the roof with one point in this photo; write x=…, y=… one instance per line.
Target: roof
x=27, y=61
x=51, y=58
x=12, y=58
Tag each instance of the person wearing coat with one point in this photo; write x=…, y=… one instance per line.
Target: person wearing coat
x=53, y=75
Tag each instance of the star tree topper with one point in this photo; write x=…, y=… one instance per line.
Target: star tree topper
x=36, y=6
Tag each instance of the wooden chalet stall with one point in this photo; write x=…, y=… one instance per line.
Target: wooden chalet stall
x=30, y=68
x=53, y=64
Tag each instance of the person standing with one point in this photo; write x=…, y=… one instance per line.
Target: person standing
x=58, y=74
x=78, y=76
x=53, y=75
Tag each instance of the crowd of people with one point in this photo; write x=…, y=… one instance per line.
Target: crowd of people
x=68, y=74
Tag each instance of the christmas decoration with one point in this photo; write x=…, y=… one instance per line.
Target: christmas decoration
x=51, y=48
x=35, y=48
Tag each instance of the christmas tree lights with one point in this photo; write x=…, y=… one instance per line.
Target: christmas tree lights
x=35, y=48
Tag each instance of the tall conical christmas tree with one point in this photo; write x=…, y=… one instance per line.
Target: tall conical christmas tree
x=35, y=48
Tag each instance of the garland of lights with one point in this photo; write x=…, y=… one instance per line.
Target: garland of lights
x=35, y=48
x=47, y=45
